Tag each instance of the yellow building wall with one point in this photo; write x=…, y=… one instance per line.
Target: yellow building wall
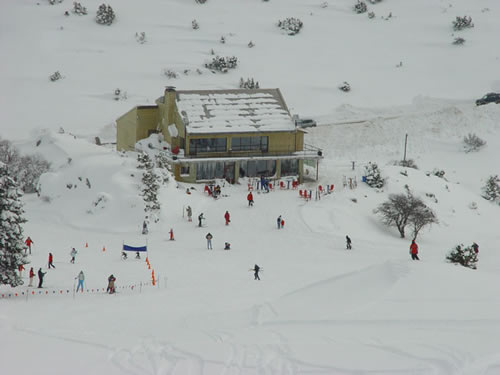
x=126, y=131
x=147, y=120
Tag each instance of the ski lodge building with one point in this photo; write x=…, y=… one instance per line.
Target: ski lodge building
x=222, y=134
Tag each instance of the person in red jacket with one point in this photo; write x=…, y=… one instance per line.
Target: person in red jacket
x=250, y=199
x=28, y=243
x=32, y=276
x=20, y=269
x=414, y=250
x=51, y=261
x=227, y=217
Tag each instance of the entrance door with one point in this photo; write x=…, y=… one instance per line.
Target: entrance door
x=229, y=172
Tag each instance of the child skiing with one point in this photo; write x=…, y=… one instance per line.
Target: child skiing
x=250, y=199
x=227, y=246
x=256, y=270
x=189, y=213
x=278, y=222
x=73, y=255
x=227, y=217
x=111, y=284
x=200, y=218
x=40, y=277
x=51, y=261
x=32, y=276
x=28, y=243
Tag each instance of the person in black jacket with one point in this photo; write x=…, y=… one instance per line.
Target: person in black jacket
x=40, y=277
x=348, y=243
x=256, y=270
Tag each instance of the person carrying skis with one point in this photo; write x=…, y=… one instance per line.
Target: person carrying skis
x=227, y=217
x=278, y=222
x=256, y=270
x=414, y=250
x=81, y=278
x=475, y=247
x=28, y=243
x=40, y=277
x=250, y=199
x=189, y=213
x=73, y=255
x=348, y=243
x=51, y=261
x=111, y=284
x=32, y=276
x=209, y=240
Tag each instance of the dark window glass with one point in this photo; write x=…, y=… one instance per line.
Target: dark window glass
x=249, y=144
x=289, y=167
x=197, y=146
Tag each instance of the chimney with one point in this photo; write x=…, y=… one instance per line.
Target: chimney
x=170, y=106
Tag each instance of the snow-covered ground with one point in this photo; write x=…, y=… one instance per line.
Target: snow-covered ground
x=318, y=309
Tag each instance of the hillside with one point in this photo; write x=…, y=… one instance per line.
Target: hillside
x=318, y=308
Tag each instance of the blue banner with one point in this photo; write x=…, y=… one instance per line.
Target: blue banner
x=132, y=248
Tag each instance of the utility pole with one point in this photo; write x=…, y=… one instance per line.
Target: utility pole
x=406, y=142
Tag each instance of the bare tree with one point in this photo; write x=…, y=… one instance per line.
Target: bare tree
x=405, y=209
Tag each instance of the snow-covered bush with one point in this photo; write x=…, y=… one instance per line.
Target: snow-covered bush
x=458, y=41
x=360, y=7
x=248, y=84
x=12, y=245
x=144, y=161
x=79, y=9
x=222, y=64
x=473, y=143
x=201, y=1
x=324, y=5
x=105, y=15
x=438, y=172
x=26, y=170
x=140, y=37
x=491, y=190
x=371, y=15
x=291, y=25
x=170, y=73
x=345, y=86
x=465, y=256
x=461, y=23
x=373, y=177
x=222, y=39
x=251, y=44
x=120, y=95
x=55, y=76
x=375, y=1
x=194, y=25
x=410, y=163
x=53, y=2
x=402, y=210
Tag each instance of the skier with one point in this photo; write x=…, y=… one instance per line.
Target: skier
x=200, y=218
x=40, y=277
x=278, y=222
x=250, y=199
x=28, y=243
x=137, y=255
x=256, y=270
x=414, y=250
x=81, y=278
x=189, y=213
x=73, y=255
x=227, y=246
x=348, y=243
x=111, y=284
x=51, y=261
x=20, y=269
x=475, y=246
x=124, y=255
x=282, y=223
x=227, y=217
x=32, y=276
x=209, y=240
x=145, y=227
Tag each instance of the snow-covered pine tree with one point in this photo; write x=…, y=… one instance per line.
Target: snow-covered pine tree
x=373, y=177
x=150, y=190
x=465, y=256
x=144, y=161
x=491, y=191
x=105, y=15
x=12, y=246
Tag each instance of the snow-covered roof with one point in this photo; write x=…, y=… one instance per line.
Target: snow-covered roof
x=233, y=111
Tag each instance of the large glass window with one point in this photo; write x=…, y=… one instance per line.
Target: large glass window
x=289, y=167
x=197, y=146
x=249, y=143
x=257, y=168
x=218, y=169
